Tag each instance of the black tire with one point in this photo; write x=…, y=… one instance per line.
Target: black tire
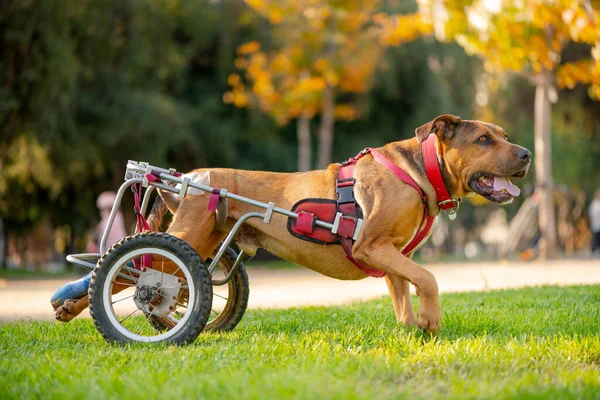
x=202, y=288
x=237, y=299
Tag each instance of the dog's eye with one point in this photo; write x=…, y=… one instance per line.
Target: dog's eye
x=485, y=139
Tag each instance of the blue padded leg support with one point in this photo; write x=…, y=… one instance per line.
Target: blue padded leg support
x=71, y=290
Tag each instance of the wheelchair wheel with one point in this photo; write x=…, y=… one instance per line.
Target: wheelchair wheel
x=150, y=276
x=229, y=301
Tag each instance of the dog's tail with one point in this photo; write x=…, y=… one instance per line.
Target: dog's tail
x=165, y=201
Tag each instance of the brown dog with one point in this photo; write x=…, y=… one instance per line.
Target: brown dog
x=470, y=155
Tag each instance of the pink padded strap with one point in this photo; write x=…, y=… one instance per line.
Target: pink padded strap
x=346, y=171
x=403, y=176
x=347, y=246
x=152, y=178
x=213, y=202
x=426, y=225
x=305, y=223
x=427, y=221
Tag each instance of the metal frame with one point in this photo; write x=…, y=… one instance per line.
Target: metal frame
x=136, y=173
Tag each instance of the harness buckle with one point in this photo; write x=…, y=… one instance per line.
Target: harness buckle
x=345, y=194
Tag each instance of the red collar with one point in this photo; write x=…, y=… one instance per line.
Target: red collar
x=432, y=168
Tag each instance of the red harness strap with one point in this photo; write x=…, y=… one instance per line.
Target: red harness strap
x=142, y=226
x=349, y=206
x=446, y=203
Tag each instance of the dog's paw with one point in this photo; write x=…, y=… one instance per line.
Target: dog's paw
x=430, y=313
x=69, y=310
x=409, y=321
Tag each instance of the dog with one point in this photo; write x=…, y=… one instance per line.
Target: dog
x=473, y=157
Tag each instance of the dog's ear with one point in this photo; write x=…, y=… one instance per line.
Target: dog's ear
x=443, y=126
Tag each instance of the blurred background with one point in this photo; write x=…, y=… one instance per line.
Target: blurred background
x=288, y=85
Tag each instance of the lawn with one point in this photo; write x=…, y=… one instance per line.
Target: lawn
x=532, y=343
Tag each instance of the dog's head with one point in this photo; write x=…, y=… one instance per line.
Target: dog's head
x=479, y=156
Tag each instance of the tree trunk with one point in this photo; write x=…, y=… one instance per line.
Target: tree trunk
x=543, y=166
x=3, y=246
x=304, y=148
x=326, y=128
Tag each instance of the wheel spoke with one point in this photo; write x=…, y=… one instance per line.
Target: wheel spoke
x=123, y=320
x=124, y=284
x=147, y=314
x=218, y=295
x=125, y=271
x=162, y=270
x=124, y=298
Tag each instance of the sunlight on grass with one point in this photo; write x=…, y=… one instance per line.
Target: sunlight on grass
x=529, y=343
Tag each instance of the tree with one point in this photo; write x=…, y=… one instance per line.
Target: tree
x=528, y=37
x=85, y=86
x=323, y=53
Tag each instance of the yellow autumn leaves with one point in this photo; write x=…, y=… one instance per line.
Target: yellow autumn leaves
x=338, y=44
x=523, y=35
x=317, y=44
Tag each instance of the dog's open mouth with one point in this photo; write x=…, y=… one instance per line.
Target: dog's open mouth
x=494, y=188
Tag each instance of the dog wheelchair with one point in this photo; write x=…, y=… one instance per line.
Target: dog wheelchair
x=154, y=287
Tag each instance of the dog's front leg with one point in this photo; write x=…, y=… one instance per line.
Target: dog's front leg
x=382, y=254
x=400, y=291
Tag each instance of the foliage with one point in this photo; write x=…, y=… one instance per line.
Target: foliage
x=523, y=36
x=321, y=57
x=527, y=343
x=90, y=85
x=315, y=44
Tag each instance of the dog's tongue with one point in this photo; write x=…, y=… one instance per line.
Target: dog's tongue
x=503, y=183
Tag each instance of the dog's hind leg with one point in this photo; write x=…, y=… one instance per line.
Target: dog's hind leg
x=211, y=244
x=400, y=291
x=194, y=224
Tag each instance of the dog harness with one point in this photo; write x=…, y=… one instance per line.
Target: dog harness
x=346, y=215
x=348, y=205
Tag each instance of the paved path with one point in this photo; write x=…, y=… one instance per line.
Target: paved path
x=29, y=299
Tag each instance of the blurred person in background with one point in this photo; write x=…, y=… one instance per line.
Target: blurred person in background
x=79, y=288
x=594, y=212
x=104, y=203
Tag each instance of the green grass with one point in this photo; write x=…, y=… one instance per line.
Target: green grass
x=540, y=343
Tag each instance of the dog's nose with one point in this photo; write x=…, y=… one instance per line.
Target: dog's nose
x=524, y=154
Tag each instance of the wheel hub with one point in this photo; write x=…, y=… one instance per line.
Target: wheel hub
x=156, y=292
x=146, y=294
